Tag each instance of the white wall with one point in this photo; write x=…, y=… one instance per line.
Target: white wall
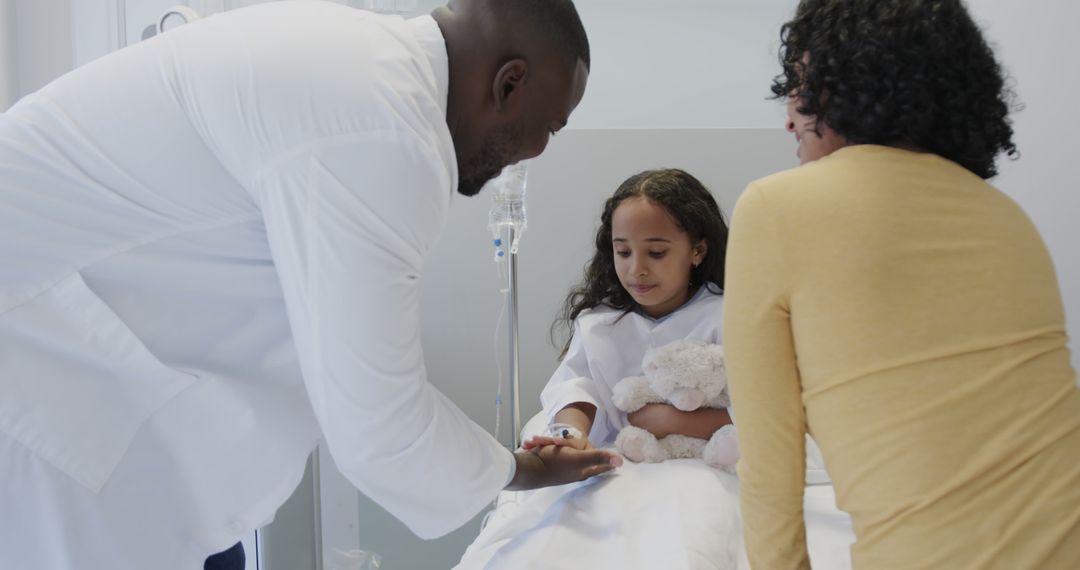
x=44, y=41
x=9, y=78
x=681, y=64
x=1037, y=42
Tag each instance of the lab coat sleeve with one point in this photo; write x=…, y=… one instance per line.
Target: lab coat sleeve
x=765, y=387
x=349, y=221
x=572, y=383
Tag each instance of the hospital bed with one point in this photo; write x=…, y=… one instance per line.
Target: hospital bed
x=676, y=515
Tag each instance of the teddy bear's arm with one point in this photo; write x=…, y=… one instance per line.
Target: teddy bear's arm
x=631, y=394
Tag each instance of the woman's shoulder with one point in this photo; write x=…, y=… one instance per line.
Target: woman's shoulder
x=786, y=195
x=847, y=169
x=852, y=168
x=794, y=180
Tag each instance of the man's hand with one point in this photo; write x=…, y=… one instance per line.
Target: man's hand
x=538, y=441
x=559, y=464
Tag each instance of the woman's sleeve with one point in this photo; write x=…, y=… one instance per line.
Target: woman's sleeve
x=765, y=387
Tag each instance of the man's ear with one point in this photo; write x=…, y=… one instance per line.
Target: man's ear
x=508, y=82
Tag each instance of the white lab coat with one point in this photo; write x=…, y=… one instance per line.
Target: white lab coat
x=608, y=346
x=211, y=245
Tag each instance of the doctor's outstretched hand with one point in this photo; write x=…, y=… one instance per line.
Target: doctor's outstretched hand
x=557, y=465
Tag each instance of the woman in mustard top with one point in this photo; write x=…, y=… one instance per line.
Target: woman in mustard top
x=886, y=299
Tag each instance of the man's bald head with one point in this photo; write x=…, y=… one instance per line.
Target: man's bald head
x=553, y=21
x=518, y=68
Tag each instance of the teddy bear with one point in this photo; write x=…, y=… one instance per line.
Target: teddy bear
x=688, y=375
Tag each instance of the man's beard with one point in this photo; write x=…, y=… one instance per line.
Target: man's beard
x=496, y=151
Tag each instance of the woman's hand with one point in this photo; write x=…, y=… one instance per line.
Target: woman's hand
x=656, y=419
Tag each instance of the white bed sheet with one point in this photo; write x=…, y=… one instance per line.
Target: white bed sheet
x=679, y=514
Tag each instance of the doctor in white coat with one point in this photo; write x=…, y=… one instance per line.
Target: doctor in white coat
x=211, y=246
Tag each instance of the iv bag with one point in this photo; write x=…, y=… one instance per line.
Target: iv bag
x=508, y=205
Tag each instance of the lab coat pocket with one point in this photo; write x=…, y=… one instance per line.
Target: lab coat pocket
x=77, y=384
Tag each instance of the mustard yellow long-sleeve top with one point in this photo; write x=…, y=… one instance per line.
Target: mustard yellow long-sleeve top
x=906, y=314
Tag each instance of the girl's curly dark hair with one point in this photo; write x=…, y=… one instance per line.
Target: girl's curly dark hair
x=899, y=72
x=692, y=208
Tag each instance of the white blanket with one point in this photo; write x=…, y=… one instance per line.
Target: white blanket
x=679, y=514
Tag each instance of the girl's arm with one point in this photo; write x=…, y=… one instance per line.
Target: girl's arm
x=663, y=420
x=570, y=397
x=580, y=415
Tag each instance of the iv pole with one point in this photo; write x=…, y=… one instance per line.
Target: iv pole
x=514, y=360
x=508, y=221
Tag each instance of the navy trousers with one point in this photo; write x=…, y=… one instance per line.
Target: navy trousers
x=231, y=559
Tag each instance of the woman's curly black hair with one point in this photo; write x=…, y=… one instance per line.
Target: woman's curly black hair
x=915, y=72
x=692, y=208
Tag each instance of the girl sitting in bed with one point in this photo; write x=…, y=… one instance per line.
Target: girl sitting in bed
x=656, y=277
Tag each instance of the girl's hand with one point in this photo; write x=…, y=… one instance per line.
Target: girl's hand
x=663, y=420
x=538, y=441
x=656, y=419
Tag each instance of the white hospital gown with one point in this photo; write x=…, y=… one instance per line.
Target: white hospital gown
x=608, y=346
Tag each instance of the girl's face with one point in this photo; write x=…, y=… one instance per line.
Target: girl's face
x=653, y=256
x=813, y=144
